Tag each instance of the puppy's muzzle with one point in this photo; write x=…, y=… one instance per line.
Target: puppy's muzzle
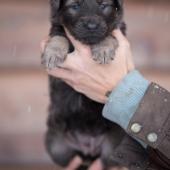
x=91, y=26
x=94, y=23
x=90, y=30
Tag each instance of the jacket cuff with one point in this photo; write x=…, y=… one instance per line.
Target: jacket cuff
x=153, y=118
x=125, y=98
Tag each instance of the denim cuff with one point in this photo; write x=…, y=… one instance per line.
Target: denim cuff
x=125, y=98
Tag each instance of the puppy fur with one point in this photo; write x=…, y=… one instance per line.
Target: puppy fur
x=75, y=123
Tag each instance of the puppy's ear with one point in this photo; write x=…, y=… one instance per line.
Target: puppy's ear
x=119, y=3
x=55, y=4
x=55, y=8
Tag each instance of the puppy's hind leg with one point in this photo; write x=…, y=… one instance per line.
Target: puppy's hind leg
x=59, y=150
x=55, y=52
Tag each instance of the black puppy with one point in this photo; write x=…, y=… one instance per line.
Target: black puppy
x=75, y=123
x=89, y=21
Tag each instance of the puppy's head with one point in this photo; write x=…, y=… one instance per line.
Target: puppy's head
x=89, y=21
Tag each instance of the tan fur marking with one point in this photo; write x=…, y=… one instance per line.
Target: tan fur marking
x=55, y=52
x=104, y=52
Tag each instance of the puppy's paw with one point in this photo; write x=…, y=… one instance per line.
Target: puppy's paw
x=55, y=52
x=104, y=52
x=104, y=55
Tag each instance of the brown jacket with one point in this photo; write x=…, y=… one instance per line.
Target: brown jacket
x=151, y=124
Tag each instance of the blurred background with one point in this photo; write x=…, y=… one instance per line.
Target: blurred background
x=24, y=85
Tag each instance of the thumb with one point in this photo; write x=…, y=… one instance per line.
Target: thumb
x=120, y=37
x=77, y=44
x=130, y=63
x=123, y=42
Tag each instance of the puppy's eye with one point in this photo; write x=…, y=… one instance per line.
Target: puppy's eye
x=104, y=6
x=75, y=6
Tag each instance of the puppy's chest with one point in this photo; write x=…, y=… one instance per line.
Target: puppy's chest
x=75, y=109
x=85, y=116
x=85, y=126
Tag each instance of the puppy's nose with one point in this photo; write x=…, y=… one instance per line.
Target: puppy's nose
x=91, y=26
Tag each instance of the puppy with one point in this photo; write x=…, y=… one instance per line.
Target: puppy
x=75, y=123
x=90, y=22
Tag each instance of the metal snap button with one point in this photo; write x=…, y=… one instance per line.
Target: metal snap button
x=136, y=128
x=152, y=137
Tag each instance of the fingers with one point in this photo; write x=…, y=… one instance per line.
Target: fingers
x=60, y=73
x=120, y=37
x=43, y=44
x=97, y=165
x=77, y=44
x=70, y=83
x=74, y=164
x=118, y=168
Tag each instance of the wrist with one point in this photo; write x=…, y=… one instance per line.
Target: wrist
x=117, y=84
x=125, y=98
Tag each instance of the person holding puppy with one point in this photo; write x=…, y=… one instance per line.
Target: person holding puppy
x=140, y=107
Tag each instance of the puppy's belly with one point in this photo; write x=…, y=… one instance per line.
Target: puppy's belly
x=86, y=144
x=127, y=153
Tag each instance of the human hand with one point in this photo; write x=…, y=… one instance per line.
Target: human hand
x=92, y=79
x=96, y=165
x=74, y=163
x=77, y=161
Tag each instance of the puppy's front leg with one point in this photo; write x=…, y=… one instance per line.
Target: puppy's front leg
x=104, y=52
x=55, y=52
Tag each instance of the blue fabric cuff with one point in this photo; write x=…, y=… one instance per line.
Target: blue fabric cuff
x=125, y=98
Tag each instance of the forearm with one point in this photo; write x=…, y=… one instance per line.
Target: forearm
x=142, y=109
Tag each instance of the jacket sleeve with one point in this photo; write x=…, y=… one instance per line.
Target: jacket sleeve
x=151, y=121
x=142, y=109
